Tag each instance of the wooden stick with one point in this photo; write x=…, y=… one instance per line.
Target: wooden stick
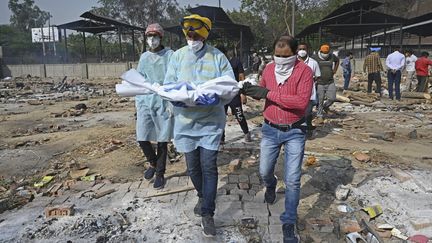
x=170, y=192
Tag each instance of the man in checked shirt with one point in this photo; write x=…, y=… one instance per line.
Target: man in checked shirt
x=286, y=85
x=373, y=66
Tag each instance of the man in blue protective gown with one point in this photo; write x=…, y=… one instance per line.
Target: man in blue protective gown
x=154, y=116
x=198, y=130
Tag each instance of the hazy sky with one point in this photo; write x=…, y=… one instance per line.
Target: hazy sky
x=64, y=11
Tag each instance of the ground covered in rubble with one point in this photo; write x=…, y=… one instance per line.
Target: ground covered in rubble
x=71, y=171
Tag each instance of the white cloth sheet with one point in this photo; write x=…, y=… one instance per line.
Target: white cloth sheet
x=135, y=84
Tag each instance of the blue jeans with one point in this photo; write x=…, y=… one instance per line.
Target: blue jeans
x=347, y=78
x=394, y=78
x=202, y=169
x=294, y=143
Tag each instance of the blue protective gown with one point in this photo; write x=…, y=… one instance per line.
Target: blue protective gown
x=198, y=126
x=154, y=116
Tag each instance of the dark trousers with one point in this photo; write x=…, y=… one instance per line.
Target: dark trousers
x=157, y=159
x=237, y=110
x=394, y=79
x=377, y=78
x=347, y=78
x=422, y=85
x=308, y=114
x=202, y=169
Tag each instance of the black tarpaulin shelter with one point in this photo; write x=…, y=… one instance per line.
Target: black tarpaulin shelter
x=351, y=20
x=420, y=26
x=222, y=27
x=97, y=24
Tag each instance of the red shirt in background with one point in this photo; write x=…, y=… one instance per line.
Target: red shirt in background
x=286, y=103
x=422, y=66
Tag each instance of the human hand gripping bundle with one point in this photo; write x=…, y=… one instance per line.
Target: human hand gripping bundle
x=184, y=94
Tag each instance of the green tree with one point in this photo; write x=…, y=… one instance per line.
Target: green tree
x=26, y=15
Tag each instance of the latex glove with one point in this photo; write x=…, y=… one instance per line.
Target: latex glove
x=254, y=91
x=178, y=104
x=178, y=86
x=207, y=100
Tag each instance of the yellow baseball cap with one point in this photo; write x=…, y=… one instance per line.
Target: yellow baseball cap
x=198, y=24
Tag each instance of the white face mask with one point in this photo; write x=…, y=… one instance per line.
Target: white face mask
x=153, y=42
x=195, y=45
x=324, y=56
x=284, y=67
x=302, y=53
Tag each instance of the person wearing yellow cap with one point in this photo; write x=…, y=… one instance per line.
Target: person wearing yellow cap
x=198, y=130
x=326, y=88
x=154, y=116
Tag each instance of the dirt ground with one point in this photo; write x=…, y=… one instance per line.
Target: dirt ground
x=43, y=132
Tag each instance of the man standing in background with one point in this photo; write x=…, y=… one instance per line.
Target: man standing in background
x=304, y=57
x=395, y=62
x=328, y=64
x=410, y=60
x=373, y=66
x=236, y=104
x=422, y=68
x=347, y=69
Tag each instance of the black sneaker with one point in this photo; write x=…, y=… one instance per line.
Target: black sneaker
x=208, y=225
x=270, y=195
x=149, y=173
x=290, y=234
x=197, y=208
x=159, y=182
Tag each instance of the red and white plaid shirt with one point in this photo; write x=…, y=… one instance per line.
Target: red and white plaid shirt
x=286, y=103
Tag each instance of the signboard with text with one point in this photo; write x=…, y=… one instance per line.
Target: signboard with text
x=49, y=34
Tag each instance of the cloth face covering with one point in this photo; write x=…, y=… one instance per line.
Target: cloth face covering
x=284, y=67
x=195, y=45
x=323, y=56
x=302, y=53
x=153, y=42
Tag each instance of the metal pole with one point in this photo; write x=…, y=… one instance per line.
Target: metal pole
x=293, y=18
x=361, y=47
x=320, y=35
x=85, y=49
x=384, y=41
x=219, y=3
x=352, y=46
x=241, y=44
x=401, y=37
x=54, y=42
x=43, y=44
x=66, y=47
x=419, y=44
x=100, y=48
x=120, y=45
x=133, y=46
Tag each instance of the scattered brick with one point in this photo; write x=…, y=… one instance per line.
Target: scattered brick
x=421, y=223
x=399, y=174
x=349, y=225
x=323, y=225
x=362, y=157
x=59, y=211
x=244, y=178
x=244, y=186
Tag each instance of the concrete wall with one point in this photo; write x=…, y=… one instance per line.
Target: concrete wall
x=107, y=70
x=61, y=70
x=86, y=70
x=20, y=70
